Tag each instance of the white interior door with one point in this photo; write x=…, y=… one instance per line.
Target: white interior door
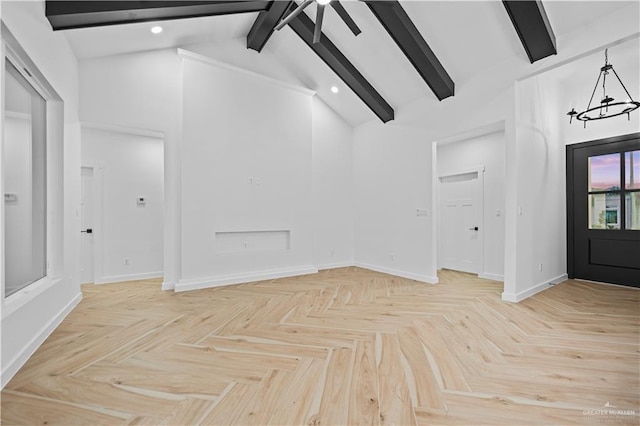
x=459, y=223
x=86, y=226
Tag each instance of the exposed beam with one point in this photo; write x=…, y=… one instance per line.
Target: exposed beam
x=265, y=23
x=346, y=18
x=533, y=27
x=401, y=28
x=64, y=15
x=329, y=53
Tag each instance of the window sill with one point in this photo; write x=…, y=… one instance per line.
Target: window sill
x=21, y=298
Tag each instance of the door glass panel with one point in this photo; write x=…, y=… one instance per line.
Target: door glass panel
x=632, y=170
x=25, y=196
x=604, y=172
x=632, y=204
x=604, y=211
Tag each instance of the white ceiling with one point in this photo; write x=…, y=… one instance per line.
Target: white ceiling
x=466, y=36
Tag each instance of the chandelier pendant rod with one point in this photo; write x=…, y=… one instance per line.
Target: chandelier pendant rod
x=622, y=84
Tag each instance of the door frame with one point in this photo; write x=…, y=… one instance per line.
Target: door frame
x=98, y=189
x=479, y=209
x=570, y=153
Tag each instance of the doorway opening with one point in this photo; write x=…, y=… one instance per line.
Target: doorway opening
x=468, y=202
x=122, y=204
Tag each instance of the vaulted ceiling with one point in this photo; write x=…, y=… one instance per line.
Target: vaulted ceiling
x=407, y=50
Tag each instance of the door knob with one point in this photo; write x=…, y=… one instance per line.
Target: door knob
x=88, y=231
x=475, y=228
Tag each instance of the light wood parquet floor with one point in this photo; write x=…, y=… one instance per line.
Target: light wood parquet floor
x=344, y=346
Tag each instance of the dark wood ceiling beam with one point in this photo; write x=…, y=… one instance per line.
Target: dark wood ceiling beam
x=265, y=23
x=532, y=25
x=403, y=31
x=331, y=55
x=64, y=15
x=346, y=18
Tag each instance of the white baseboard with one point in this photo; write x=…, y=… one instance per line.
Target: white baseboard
x=128, y=277
x=168, y=286
x=520, y=296
x=16, y=363
x=489, y=276
x=334, y=265
x=219, y=281
x=410, y=275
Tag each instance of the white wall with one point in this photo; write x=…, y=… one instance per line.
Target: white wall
x=131, y=167
x=332, y=188
x=28, y=321
x=541, y=230
x=391, y=165
x=392, y=178
x=543, y=131
x=246, y=166
x=145, y=91
x=487, y=151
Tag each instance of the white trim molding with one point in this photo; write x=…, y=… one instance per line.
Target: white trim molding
x=129, y=277
x=113, y=128
x=490, y=276
x=476, y=132
x=403, y=274
x=209, y=61
x=16, y=363
x=224, y=280
x=166, y=286
x=334, y=265
x=520, y=296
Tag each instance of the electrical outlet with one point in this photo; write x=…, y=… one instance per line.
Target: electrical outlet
x=126, y=261
x=540, y=267
x=393, y=257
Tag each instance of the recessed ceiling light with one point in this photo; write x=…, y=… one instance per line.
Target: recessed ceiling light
x=156, y=30
x=335, y=89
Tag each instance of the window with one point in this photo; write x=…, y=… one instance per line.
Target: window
x=612, y=203
x=25, y=182
x=632, y=189
x=32, y=178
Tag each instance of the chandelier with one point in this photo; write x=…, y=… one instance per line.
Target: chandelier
x=607, y=108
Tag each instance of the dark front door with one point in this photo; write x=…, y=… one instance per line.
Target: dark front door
x=603, y=210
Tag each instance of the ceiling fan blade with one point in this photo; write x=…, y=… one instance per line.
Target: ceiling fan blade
x=293, y=14
x=339, y=8
x=318, y=30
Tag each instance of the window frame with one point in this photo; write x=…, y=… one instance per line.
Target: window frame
x=621, y=193
x=624, y=190
x=11, y=50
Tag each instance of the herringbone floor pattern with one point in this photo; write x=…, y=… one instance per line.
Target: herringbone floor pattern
x=345, y=346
